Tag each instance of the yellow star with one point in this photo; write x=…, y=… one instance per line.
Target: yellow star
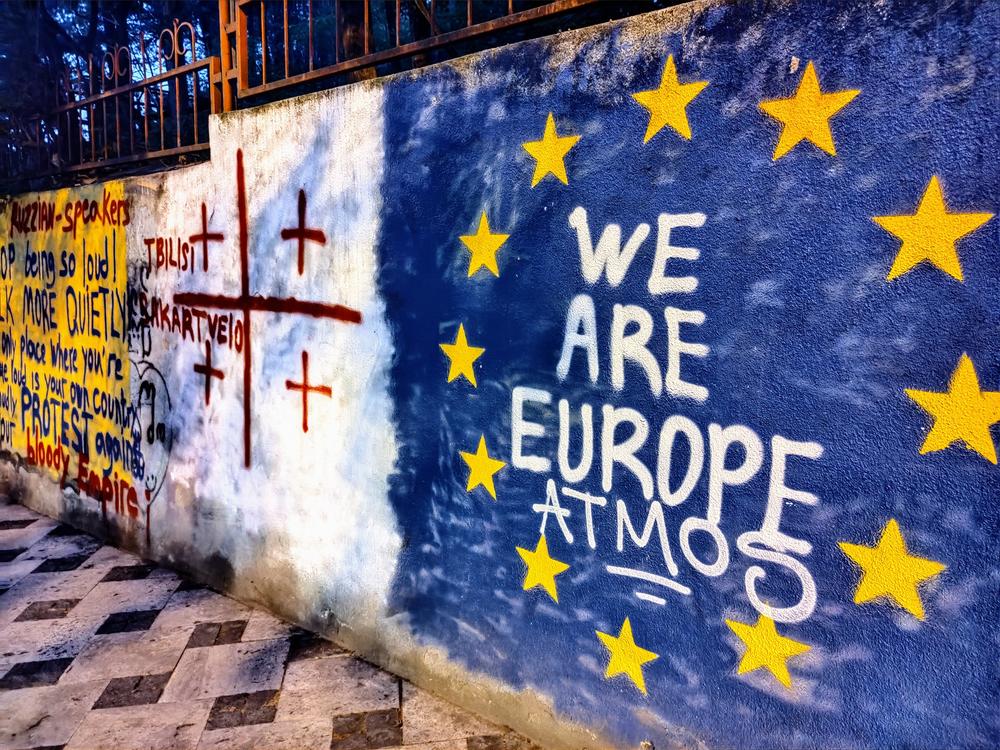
x=482, y=467
x=889, y=570
x=550, y=152
x=667, y=103
x=542, y=569
x=964, y=413
x=462, y=356
x=766, y=648
x=930, y=233
x=806, y=116
x=483, y=245
x=626, y=657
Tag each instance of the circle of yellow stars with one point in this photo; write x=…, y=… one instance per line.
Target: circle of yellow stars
x=962, y=414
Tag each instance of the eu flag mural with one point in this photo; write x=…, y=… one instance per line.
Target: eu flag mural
x=697, y=373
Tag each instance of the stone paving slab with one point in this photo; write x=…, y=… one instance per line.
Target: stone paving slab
x=99, y=649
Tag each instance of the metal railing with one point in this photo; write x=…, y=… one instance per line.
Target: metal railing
x=151, y=102
x=267, y=46
x=132, y=104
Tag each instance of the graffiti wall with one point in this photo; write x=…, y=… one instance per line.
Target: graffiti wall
x=67, y=405
x=638, y=383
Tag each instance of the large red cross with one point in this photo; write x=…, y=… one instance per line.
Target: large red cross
x=208, y=372
x=306, y=388
x=302, y=233
x=247, y=303
x=205, y=237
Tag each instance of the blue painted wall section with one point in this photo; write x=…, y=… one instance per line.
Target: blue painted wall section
x=838, y=584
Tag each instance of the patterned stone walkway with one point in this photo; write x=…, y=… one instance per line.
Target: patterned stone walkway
x=101, y=651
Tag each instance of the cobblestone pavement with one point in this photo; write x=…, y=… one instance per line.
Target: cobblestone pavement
x=101, y=651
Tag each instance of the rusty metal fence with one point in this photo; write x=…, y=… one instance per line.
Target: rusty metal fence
x=131, y=104
x=268, y=46
x=150, y=102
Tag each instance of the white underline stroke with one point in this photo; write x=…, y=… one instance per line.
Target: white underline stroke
x=642, y=575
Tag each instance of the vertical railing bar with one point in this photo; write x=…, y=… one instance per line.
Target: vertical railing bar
x=399, y=16
x=242, y=50
x=131, y=108
x=178, y=120
x=159, y=87
x=145, y=95
x=79, y=130
x=310, y=34
x=194, y=100
x=131, y=122
x=216, y=104
x=104, y=123
x=263, y=44
x=367, y=26
x=468, y=12
x=58, y=126
x=176, y=83
x=118, y=126
x=90, y=108
x=70, y=98
x=286, y=38
x=336, y=31
x=226, y=55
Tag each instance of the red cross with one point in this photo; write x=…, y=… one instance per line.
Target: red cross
x=247, y=303
x=208, y=372
x=305, y=387
x=204, y=238
x=301, y=233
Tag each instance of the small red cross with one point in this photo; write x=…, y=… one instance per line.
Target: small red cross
x=205, y=237
x=305, y=387
x=301, y=233
x=208, y=372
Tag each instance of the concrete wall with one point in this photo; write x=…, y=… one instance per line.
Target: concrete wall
x=691, y=439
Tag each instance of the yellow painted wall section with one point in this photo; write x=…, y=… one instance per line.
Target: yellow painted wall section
x=65, y=397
